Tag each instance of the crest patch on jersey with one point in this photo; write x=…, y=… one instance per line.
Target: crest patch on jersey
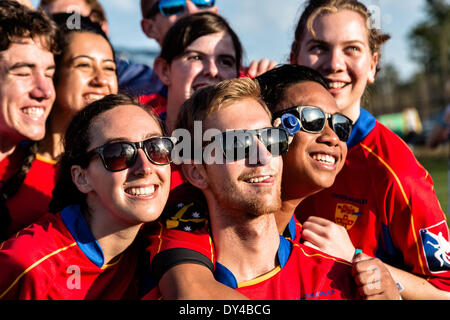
x=346, y=215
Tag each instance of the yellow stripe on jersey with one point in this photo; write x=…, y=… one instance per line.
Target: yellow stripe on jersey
x=211, y=245
x=160, y=237
x=391, y=171
x=413, y=227
x=259, y=279
x=34, y=265
x=46, y=160
x=321, y=255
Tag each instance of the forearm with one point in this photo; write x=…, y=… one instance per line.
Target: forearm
x=415, y=287
x=194, y=282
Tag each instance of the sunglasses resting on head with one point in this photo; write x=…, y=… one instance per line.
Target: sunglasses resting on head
x=118, y=156
x=173, y=7
x=312, y=119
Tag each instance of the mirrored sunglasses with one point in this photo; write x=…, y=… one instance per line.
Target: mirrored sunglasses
x=312, y=119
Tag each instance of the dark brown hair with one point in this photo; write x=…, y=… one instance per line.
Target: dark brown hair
x=18, y=21
x=188, y=29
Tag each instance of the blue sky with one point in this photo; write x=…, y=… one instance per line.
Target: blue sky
x=266, y=27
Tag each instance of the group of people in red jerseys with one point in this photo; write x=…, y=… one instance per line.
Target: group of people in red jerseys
x=294, y=191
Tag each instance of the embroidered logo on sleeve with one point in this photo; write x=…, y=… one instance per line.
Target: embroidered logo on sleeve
x=436, y=247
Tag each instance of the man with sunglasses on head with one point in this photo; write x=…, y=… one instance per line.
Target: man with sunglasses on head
x=158, y=16
x=243, y=198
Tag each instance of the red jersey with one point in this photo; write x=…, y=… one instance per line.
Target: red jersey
x=386, y=201
x=59, y=258
x=35, y=193
x=303, y=273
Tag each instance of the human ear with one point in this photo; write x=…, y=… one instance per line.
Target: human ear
x=162, y=69
x=148, y=27
x=80, y=179
x=373, y=68
x=196, y=175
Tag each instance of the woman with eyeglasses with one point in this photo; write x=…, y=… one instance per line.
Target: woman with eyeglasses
x=383, y=197
x=114, y=177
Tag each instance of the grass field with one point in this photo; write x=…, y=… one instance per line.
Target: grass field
x=437, y=164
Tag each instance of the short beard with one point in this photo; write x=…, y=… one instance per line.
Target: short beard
x=232, y=199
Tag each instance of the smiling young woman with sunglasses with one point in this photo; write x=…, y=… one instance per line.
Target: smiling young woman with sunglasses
x=114, y=176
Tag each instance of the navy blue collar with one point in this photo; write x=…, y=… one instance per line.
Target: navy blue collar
x=80, y=231
x=225, y=276
x=362, y=127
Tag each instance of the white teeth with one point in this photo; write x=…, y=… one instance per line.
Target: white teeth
x=34, y=112
x=147, y=191
x=93, y=97
x=257, y=180
x=325, y=158
x=335, y=84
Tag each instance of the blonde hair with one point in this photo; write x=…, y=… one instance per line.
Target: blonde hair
x=211, y=99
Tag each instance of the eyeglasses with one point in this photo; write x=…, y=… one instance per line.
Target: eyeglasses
x=118, y=156
x=174, y=7
x=312, y=119
x=239, y=144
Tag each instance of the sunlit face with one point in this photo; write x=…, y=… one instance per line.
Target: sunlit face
x=206, y=61
x=341, y=53
x=26, y=90
x=313, y=158
x=87, y=73
x=233, y=183
x=134, y=195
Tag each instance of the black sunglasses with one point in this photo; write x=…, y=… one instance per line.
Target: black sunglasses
x=118, y=156
x=173, y=7
x=239, y=144
x=312, y=119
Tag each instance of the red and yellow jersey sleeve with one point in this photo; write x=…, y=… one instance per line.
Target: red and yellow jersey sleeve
x=387, y=202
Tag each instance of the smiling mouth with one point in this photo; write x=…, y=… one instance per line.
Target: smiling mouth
x=34, y=112
x=91, y=97
x=258, y=179
x=336, y=84
x=324, y=158
x=141, y=191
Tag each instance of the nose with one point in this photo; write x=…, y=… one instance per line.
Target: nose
x=143, y=166
x=335, y=61
x=210, y=68
x=328, y=136
x=259, y=155
x=43, y=88
x=99, y=78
